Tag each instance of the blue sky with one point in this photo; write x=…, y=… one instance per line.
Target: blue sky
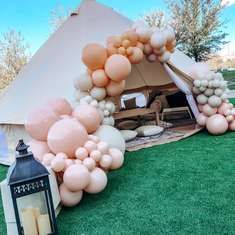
x=32, y=17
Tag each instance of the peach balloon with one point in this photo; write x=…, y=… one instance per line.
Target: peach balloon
x=94, y=56
x=126, y=43
x=117, y=158
x=47, y=158
x=140, y=45
x=122, y=51
x=117, y=67
x=230, y=118
x=90, y=146
x=68, y=162
x=77, y=161
x=39, y=121
x=38, y=148
x=66, y=136
x=88, y=116
x=96, y=155
x=57, y=164
x=201, y=119
x=76, y=177
x=223, y=107
x=89, y=163
x=81, y=153
x=103, y=147
x=200, y=106
x=152, y=58
x=98, y=181
x=115, y=88
x=69, y=198
x=131, y=36
x=115, y=40
x=217, y=124
x=62, y=155
x=111, y=50
x=60, y=106
x=105, y=161
x=137, y=56
x=232, y=126
x=147, y=49
x=208, y=110
x=99, y=78
x=129, y=51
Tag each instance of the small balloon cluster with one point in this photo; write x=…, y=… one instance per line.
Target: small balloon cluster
x=210, y=88
x=105, y=107
x=108, y=68
x=74, y=144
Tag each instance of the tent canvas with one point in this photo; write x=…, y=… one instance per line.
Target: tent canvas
x=51, y=71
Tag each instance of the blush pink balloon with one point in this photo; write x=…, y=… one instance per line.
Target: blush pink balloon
x=90, y=146
x=201, y=119
x=47, y=158
x=96, y=155
x=89, y=163
x=106, y=161
x=115, y=88
x=98, y=181
x=39, y=122
x=60, y=106
x=58, y=164
x=223, y=108
x=81, y=153
x=76, y=177
x=69, y=198
x=89, y=116
x=38, y=148
x=66, y=136
x=68, y=162
x=200, y=107
x=103, y=147
x=208, y=110
x=217, y=124
x=117, y=158
x=94, y=138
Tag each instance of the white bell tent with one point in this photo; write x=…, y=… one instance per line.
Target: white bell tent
x=51, y=71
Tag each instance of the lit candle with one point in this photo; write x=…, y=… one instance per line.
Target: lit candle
x=29, y=222
x=44, y=226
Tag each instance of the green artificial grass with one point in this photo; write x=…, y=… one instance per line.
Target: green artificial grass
x=185, y=187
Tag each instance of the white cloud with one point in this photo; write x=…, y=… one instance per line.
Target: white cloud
x=227, y=2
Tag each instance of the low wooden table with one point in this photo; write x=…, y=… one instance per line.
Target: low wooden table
x=138, y=112
x=176, y=110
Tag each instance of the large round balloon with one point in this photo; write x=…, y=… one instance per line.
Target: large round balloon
x=66, y=136
x=38, y=148
x=117, y=67
x=94, y=56
x=60, y=106
x=217, y=124
x=112, y=136
x=76, y=177
x=98, y=181
x=115, y=88
x=88, y=116
x=69, y=198
x=39, y=121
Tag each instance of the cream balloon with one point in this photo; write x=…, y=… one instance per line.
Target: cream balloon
x=214, y=101
x=83, y=82
x=98, y=93
x=98, y=181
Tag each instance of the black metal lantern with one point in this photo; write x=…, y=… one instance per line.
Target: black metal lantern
x=31, y=194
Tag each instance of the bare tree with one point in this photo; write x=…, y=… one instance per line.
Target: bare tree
x=198, y=26
x=155, y=18
x=59, y=16
x=14, y=54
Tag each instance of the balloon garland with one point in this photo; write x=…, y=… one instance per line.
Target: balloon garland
x=74, y=144
x=108, y=68
x=210, y=88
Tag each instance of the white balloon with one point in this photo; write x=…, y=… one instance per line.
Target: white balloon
x=202, y=99
x=98, y=93
x=218, y=92
x=214, y=101
x=83, y=82
x=196, y=91
x=197, y=83
x=209, y=92
x=112, y=136
x=108, y=121
x=165, y=57
x=158, y=40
